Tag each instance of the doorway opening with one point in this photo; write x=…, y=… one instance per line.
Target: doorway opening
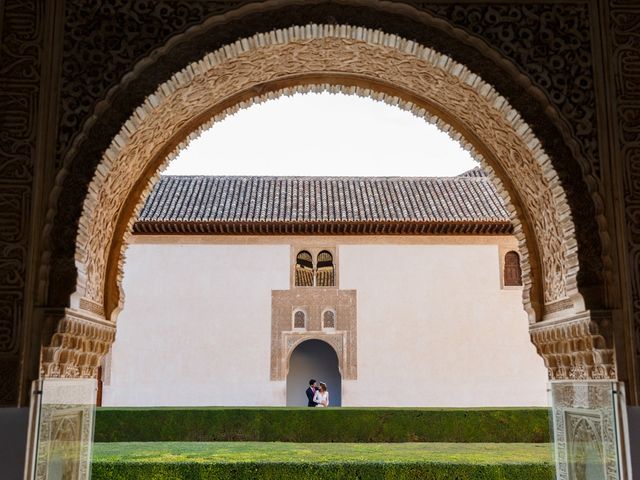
x=313, y=359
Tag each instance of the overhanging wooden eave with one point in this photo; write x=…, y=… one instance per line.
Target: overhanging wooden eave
x=323, y=228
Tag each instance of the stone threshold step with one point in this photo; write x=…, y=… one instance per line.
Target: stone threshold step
x=321, y=461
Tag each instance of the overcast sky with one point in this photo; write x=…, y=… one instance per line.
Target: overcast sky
x=323, y=135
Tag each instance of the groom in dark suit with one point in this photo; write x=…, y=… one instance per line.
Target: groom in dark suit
x=311, y=391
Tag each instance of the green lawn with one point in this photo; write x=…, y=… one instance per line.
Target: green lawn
x=234, y=452
x=321, y=461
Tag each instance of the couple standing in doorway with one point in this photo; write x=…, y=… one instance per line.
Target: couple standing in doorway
x=317, y=394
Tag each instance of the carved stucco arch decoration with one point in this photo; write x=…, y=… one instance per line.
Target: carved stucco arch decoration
x=372, y=62
x=408, y=21
x=335, y=58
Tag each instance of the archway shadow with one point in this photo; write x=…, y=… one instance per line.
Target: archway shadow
x=318, y=360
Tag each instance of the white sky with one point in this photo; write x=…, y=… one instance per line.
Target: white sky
x=322, y=134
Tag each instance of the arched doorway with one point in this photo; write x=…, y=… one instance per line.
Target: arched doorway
x=313, y=359
x=419, y=79
x=327, y=57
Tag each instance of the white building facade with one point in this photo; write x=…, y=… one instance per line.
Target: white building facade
x=414, y=319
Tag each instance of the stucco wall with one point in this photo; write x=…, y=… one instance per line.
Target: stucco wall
x=434, y=325
x=196, y=326
x=435, y=328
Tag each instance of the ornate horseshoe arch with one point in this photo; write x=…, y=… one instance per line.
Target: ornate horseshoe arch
x=351, y=60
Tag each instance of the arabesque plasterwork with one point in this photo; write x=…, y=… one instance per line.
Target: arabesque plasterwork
x=65, y=426
x=314, y=301
x=557, y=50
x=504, y=141
x=77, y=347
x=555, y=61
x=586, y=420
x=342, y=50
x=576, y=348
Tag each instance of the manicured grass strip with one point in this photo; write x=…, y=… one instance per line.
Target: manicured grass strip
x=256, y=460
x=506, y=425
x=235, y=452
x=342, y=471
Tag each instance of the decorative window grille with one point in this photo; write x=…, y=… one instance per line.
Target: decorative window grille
x=304, y=269
x=299, y=319
x=329, y=319
x=512, y=269
x=325, y=275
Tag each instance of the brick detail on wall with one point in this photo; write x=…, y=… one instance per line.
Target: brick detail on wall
x=314, y=301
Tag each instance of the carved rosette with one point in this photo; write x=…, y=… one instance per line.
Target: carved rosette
x=77, y=347
x=576, y=348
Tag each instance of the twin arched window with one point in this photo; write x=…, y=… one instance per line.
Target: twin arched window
x=512, y=269
x=328, y=319
x=321, y=276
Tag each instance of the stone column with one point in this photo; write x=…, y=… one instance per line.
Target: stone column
x=576, y=346
x=80, y=341
x=587, y=401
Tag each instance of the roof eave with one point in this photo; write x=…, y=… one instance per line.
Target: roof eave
x=384, y=227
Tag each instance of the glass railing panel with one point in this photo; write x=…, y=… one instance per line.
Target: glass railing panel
x=63, y=416
x=587, y=430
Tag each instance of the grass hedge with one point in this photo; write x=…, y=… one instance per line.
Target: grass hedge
x=282, y=460
x=506, y=425
x=314, y=453
x=329, y=471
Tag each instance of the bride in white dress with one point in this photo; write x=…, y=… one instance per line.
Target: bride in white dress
x=321, y=397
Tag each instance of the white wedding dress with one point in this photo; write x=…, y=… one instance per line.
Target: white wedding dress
x=321, y=398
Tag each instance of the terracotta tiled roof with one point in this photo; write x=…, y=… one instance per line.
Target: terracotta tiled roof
x=206, y=204
x=474, y=172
